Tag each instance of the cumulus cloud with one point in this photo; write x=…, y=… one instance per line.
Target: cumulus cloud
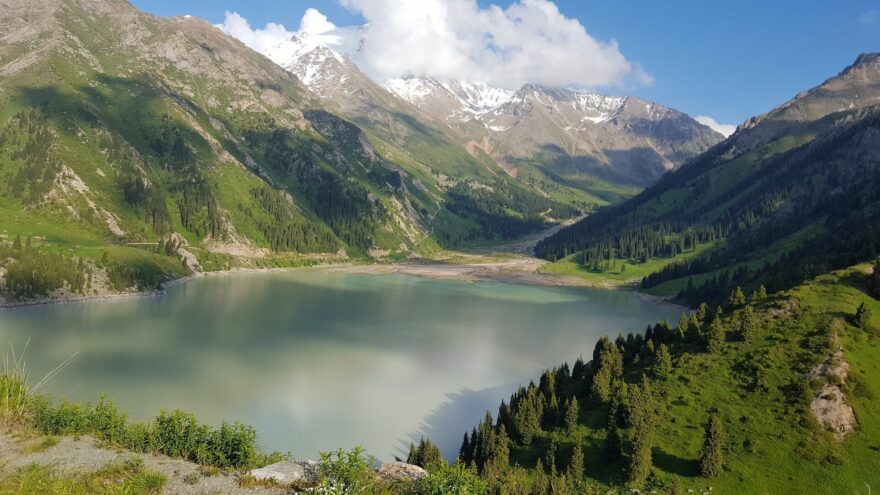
x=723, y=129
x=529, y=41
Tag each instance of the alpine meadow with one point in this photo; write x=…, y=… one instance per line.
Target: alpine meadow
x=439, y=247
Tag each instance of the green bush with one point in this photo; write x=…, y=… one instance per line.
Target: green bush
x=452, y=480
x=176, y=434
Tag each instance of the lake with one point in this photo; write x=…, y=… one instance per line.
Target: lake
x=317, y=360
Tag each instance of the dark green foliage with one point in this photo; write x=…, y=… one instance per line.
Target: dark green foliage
x=425, y=455
x=286, y=234
x=716, y=336
x=613, y=445
x=576, y=464
x=749, y=325
x=38, y=163
x=874, y=281
x=662, y=366
x=571, y=414
x=712, y=452
x=641, y=417
x=862, y=317
x=344, y=205
x=33, y=272
x=488, y=448
x=502, y=209
x=608, y=363
x=737, y=298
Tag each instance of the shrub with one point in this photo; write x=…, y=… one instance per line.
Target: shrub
x=452, y=480
x=176, y=434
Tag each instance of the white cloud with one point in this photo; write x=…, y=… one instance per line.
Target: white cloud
x=870, y=18
x=724, y=129
x=529, y=41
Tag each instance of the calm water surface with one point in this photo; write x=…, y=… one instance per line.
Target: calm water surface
x=316, y=360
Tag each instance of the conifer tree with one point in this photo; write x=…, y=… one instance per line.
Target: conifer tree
x=737, y=298
x=874, y=281
x=748, y=324
x=759, y=295
x=425, y=455
x=464, y=451
x=662, y=366
x=863, y=316
x=571, y=415
x=541, y=485
x=715, y=337
x=711, y=454
x=576, y=464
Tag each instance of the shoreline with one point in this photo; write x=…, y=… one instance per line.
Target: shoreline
x=521, y=270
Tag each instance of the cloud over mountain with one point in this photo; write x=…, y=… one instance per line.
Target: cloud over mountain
x=723, y=129
x=529, y=41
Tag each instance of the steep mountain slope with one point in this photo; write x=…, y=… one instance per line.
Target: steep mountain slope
x=571, y=137
x=475, y=191
x=792, y=194
x=144, y=148
x=572, y=146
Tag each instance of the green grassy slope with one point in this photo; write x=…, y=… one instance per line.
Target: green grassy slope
x=757, y=385
x=126, y=138
x=783, y=199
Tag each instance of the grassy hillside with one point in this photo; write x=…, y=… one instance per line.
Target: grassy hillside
x=781, y=201
x=757, y=373
x=141, y=149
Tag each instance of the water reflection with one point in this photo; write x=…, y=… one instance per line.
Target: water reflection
x=318, y=361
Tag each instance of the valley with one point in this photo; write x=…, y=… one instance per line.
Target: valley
x=296, y=264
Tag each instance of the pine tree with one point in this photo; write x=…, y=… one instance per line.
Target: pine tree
x=576, y=464
x=863, y=316
x=541, y=485
x=571, y=415
x=425, y=455
x=640, y=460
x=711, y=454
x=759, y=295
x=662, y=366
x=748, y=324
x=874, y=281
x=464, y=451
x=715, y=337
x=737, y=298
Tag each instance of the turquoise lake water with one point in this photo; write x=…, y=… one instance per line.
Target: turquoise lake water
x=316, y=360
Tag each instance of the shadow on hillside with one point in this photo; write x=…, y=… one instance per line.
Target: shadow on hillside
x=674, y=464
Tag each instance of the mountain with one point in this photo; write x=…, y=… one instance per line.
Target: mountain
x=791, y=194
x=561, y=134
x=596, y=148
x=138, y=149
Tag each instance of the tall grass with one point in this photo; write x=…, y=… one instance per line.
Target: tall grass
x=15, y=390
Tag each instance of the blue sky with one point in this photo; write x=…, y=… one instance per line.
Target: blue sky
x=728, y=61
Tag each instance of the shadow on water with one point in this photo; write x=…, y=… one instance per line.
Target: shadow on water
x=461, y=412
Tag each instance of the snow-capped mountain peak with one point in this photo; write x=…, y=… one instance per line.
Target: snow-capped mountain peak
x=468, y=98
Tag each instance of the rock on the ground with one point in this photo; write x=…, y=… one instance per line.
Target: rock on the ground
x=401, y=471
x=288, y=472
